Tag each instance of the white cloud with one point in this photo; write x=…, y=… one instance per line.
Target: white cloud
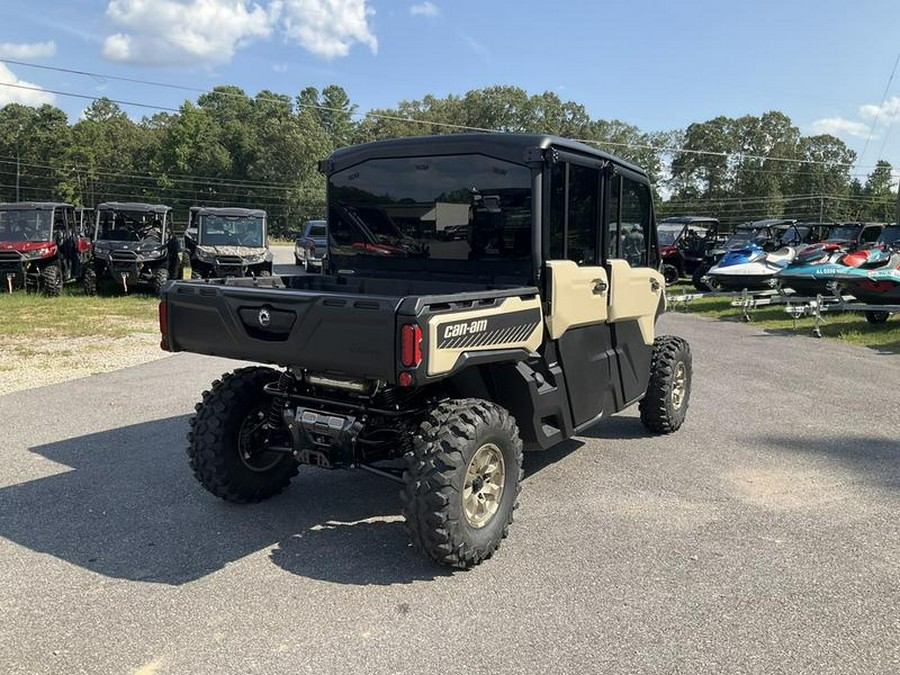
x=185, y=32
x=329, y=28
x=426, y=8
x=280, y=67
x=31, y=97
x=27, y=50
x=838, y=126
x=209, y=32
x=886, y=112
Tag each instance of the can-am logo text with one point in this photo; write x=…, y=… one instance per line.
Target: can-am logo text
x=469, y=328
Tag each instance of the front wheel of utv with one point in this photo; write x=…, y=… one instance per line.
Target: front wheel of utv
x=668, y=395
x=89, y=280
x=670, y=274
x=51, y=280
x=229, y=439
x=462, y=482
x=160, y=279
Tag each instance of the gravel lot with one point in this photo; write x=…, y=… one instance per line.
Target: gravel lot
x=54, y=360
x=761, y=538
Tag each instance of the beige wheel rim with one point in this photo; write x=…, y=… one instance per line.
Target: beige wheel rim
x=679, y=384
x=483, y=487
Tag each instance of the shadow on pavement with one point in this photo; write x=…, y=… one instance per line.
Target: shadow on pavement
x=129, y=508
x=876, y=459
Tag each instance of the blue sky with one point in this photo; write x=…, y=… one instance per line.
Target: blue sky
x=656, y=64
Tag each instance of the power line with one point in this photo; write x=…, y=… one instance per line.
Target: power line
x=383, y=116
x=880, y=105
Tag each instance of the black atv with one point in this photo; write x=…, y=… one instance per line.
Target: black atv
x=133, y=246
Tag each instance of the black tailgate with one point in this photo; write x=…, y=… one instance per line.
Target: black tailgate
x=320, y=331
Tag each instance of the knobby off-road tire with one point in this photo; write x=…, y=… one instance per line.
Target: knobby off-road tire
x=665, y=404
x=229, y=409
x=670, y=274
x=462, y=451
x=877, y=317
x=51, y=280
x=89, y=280
x=697, y=278
x=160, y=279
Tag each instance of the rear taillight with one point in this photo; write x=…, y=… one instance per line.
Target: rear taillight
x=410, y=345
x=312, y=247
x=164, y=326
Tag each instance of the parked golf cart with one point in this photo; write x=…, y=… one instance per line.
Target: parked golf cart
x=133, y=246
x=41, y=247
x=684, y=243
x=227, y=242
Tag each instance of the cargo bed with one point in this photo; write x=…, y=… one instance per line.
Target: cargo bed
x=334, y=323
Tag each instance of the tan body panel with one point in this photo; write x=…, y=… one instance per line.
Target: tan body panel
x=471, y=331
x=634, y=293
x=573, y=301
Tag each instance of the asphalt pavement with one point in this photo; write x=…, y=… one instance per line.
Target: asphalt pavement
x=760, y=538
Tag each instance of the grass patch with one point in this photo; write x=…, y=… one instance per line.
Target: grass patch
x=850, y=327
x=74, y=314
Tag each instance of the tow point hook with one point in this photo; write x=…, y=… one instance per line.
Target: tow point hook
x=9, y=280
x=124, y=276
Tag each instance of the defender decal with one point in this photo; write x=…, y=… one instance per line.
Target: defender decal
x=494, y=330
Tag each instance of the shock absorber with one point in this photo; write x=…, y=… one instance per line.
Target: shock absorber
x=275, y=419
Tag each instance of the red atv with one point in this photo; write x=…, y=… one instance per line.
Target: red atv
x=41, y=246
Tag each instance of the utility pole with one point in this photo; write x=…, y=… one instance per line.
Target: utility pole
x=897, y=207
x=18, y=173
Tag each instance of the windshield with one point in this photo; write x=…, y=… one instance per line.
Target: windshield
x=130, y=226
x=26, y=225
x=743, y=237
x=792, y=235
x=844, y=233
x=890, y=235
x=668, y=234
x=218, y=230
x=451, y=214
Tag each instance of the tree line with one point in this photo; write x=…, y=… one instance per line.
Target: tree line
x=230, y=149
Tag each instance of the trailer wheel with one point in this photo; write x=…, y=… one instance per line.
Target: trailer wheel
x=228, y=439
x=51, y=280
x=160, y=279
x=462, y=482
x=877, y=317
x=89, y=280
x=668, y=395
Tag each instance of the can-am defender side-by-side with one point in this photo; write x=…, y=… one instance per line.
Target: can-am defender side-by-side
x=41, y=246
x=133, y=246
x=451, y=356
x=228, y=242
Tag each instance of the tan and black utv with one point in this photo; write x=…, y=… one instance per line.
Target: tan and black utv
x=449, y=354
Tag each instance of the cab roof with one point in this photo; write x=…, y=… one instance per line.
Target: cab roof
x=509, y=147
x=227, y=211
x=134, y=206
x=684, y=220
x=31, y=206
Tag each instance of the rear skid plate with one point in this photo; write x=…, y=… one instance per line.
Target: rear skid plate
x=322, y=439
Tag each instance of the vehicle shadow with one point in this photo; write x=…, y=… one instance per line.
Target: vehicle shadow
x=129, y=508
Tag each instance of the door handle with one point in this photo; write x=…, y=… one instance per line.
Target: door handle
x=654, y=285
x=599, y=287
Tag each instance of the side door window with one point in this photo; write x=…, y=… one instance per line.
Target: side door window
x=634, y=226
x=574, y=213
x=612, y=217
